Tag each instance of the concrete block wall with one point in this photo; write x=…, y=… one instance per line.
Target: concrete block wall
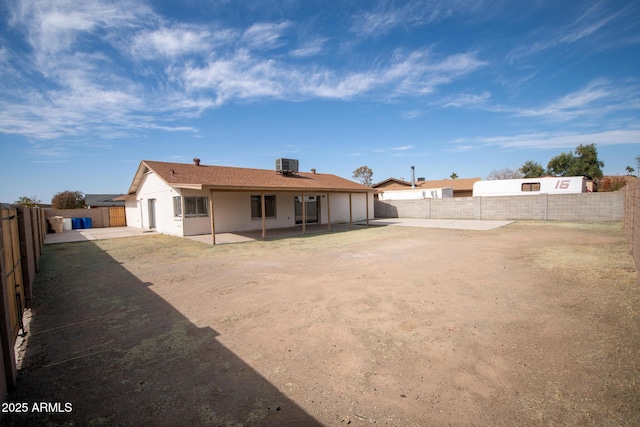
x=513, y=207
x=453, y=208
x=556, y=207
x=585, y=207
x=402, y=209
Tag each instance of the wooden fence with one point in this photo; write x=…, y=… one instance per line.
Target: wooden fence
x=23, y=231
x=101, y=217
x=632, y=220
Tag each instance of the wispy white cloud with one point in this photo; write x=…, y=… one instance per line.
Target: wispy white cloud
x=420, y=73
x=309, y=48
x=388, y=16
x=56, y=26
x=462, y=100
x=265, y=35
x=399, y=149
x=412, y=114
x=241, y=76
x=246, y=76
x=598, y=98
x=562, y=140
x=178, y=40
x=590, y=23
x=165, y=71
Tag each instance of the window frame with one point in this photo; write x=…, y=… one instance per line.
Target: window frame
x=195, y=206
x=530, y=186
x=270, y=203
x=177, y=207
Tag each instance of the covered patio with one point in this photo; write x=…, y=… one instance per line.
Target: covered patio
x=273, y=234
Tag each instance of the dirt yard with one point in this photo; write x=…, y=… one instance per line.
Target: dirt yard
x=530, y=324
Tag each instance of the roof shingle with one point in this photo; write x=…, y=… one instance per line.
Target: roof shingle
x=183, y=175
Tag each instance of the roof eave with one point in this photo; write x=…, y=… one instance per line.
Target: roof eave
x=289, y=189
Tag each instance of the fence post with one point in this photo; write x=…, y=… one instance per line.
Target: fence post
x=27, y=252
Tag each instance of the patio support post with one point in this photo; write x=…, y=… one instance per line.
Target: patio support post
x=328, y=212
x=304, y=214
x=350, y=211
x=213, y=223
x=367, y=202
x=264, y=221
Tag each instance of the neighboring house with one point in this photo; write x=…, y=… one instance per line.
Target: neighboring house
x=102, y=200
x=416, y=194
x=462, y=187
x=177, y=199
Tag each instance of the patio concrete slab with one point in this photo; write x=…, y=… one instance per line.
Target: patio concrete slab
x=456, y=224
x=248, y=236
x=94, y=234
x=277, y=233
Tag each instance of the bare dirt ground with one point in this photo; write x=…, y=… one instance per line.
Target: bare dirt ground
x=530, y=324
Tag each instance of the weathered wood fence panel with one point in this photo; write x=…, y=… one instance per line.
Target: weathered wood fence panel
x=101, y=217
x=13, y=269
x=12, y=292
x=117, y=217
x=22, y=230
x=632, y=220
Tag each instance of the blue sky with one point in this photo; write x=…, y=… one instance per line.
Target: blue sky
x=89, y=88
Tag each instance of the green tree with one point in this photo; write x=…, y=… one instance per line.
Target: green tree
x=583, y=162
x=630, y=170
x=68, y=200
x=560, y=164
x=27, y=201
x=363, y=175
x=453, y=175
x=587, y=162
x=531, y=169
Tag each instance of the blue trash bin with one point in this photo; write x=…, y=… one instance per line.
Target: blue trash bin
x=76, y=223
x=87, y=223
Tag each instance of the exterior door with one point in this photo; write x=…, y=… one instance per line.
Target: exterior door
x=152, y=214
x=312, y=209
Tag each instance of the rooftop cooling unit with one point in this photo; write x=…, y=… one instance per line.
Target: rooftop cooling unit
x=287, y=165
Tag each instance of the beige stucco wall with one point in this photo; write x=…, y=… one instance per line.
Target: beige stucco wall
x=137, y=210
x=232, y=210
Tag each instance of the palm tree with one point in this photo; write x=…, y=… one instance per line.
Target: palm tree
x=453, y=175
x=630, y=170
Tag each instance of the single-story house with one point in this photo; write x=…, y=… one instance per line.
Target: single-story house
x=102, y=200
x=462, y=187
x=190, y=199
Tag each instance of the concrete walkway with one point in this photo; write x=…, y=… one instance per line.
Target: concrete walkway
x=455, y=224
x=248, y=236
x=94, y=234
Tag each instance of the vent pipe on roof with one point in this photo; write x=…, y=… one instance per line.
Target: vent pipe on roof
x=196, y=161
x=413, y=177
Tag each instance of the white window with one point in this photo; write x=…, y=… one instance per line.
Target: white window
x=177, y=206
x=194, y=206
